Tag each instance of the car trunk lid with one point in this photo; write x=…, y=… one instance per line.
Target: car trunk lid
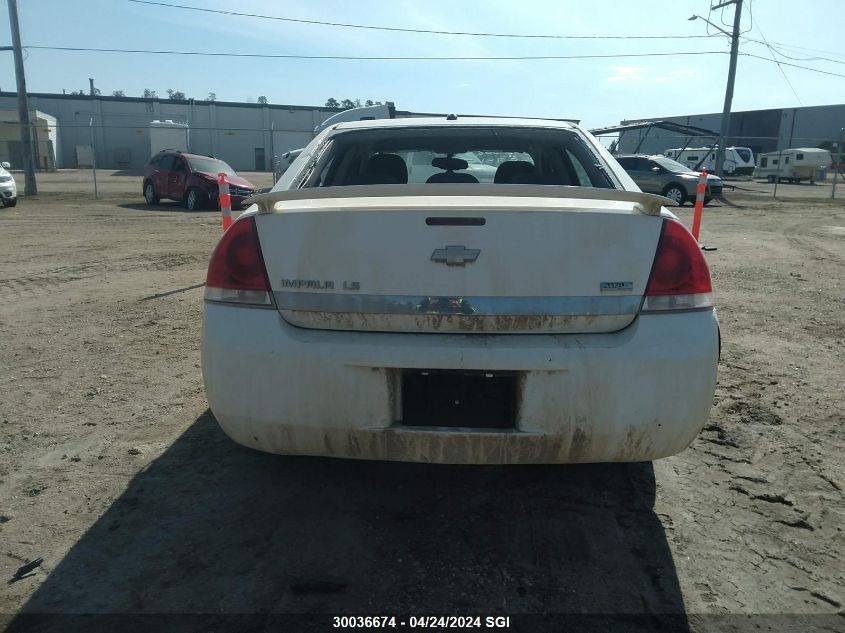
x=574, y=262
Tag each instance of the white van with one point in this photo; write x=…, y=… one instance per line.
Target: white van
x=738, y=160
x=793, y=165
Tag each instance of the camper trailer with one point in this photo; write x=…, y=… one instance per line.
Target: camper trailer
x=738, y=160
x=793, y=165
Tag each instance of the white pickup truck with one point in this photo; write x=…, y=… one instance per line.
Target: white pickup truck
x=554, y=315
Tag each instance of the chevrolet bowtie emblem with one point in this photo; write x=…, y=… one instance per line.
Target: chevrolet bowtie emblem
x=455, y=255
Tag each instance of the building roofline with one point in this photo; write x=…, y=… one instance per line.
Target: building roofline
x=277, y=106
x=756, y=110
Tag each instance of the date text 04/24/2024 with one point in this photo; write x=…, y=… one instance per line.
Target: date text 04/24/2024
x=421, y=622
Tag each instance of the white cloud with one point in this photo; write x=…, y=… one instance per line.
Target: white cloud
x=627, y=73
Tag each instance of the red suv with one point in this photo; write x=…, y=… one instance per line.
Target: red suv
x=191, y=179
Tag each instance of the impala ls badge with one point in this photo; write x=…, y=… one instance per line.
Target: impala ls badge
x=455, y=255
x=616, y=285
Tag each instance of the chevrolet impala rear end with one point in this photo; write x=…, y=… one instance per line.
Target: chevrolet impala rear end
x=556, y=315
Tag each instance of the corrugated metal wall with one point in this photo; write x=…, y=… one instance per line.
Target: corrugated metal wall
x=761, y=130
x=239, y=133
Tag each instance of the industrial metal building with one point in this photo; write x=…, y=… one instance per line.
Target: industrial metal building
x=761, y=130
x=246, y=135
x=44, y=135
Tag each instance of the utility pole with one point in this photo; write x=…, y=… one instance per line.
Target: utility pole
x=729, y=91
x=30, y=187
x=838, y=162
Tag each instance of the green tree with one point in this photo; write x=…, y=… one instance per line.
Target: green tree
x=118, y=93
x=262, y=100
x=347, y=104
x=176, y=95
x=212, y=96
x=331, y=102
x=150, y=94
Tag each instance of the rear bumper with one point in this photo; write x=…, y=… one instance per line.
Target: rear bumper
x=638, y=394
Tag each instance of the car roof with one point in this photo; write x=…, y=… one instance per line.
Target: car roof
x=462, y=121
x=188, y=155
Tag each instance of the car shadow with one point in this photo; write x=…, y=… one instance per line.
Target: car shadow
x=210, y=527
x=128, y=172
x=164, y=205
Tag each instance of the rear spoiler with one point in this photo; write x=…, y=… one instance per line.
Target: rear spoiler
x=647, y=203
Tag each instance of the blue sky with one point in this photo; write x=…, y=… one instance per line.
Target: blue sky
x=597, y=91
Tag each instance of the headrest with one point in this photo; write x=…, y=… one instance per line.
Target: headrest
x=449, y=164
x=389, y=164
x=510, y=168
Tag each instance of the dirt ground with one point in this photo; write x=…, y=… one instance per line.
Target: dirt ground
x=113, y=470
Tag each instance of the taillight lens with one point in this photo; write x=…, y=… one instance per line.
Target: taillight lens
x=236, y=272
x=680, y=279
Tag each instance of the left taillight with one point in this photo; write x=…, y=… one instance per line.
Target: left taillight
x=236, y=272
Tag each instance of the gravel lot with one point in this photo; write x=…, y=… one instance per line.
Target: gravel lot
x=114, y=471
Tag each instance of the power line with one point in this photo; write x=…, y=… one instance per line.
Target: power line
x=804, y=48
x=410, y=30
x=772, y=53
x=776, y=48
x=419, y=58
x=372, y=57
x=815, y=70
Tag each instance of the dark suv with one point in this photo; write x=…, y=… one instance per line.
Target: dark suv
x=191, y=179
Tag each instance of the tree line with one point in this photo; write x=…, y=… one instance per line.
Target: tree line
x=347, y=104
x=178, y=95
x=172, y=95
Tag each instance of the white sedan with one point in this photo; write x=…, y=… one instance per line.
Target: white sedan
x=8, y=187
x=556, y=315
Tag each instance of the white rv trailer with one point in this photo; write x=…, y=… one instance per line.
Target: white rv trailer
x=794, y=165
x=738, y=160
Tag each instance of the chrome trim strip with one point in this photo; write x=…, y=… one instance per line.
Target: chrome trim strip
x=464, y=306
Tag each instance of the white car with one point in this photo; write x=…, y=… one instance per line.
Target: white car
x=557, y=315
x=8, y=187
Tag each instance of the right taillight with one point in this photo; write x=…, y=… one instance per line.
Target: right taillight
x=680, y=279
x=236, y=272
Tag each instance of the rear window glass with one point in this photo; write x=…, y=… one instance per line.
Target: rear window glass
x=670, y=165
x=459, y=155
x=211, y=166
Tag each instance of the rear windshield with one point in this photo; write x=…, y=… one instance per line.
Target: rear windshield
x=210, y=165
x=670, y=165
x=458, y=155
